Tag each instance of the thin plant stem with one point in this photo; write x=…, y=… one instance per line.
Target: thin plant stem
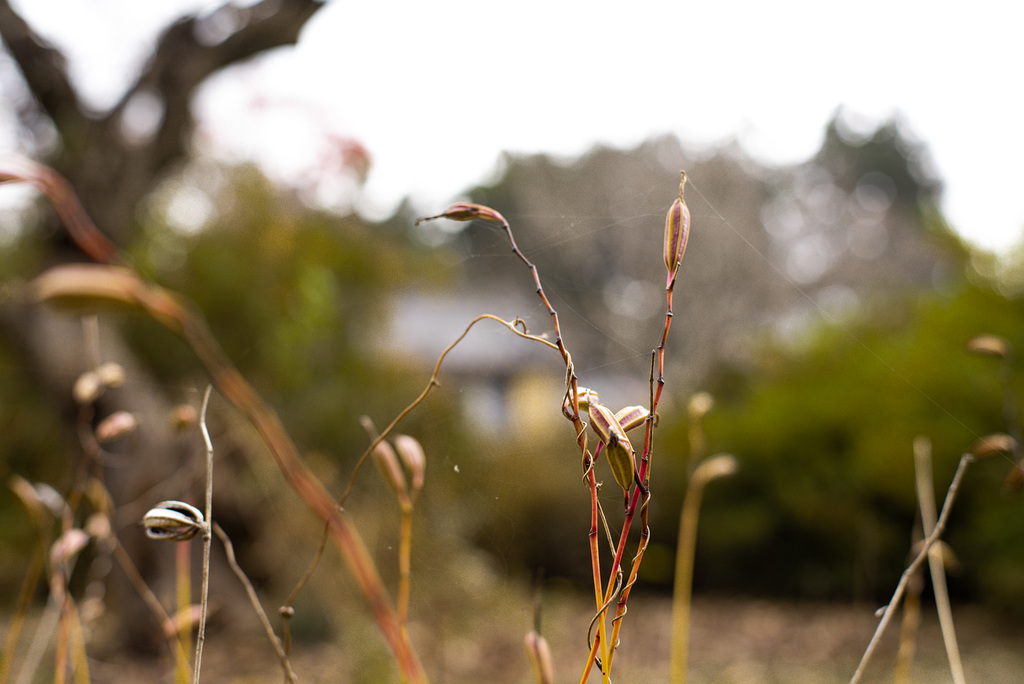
x=287, y=610
x=405, y=504
x=28, y=586
x=717, y=466
x=177, y=316
x=76, y=642
x=44, y=630
x=60, y=657
x=404, y=567
x=910, y=624
x=207, y=537
x=572, y=391
x=647, y=453
x=275, y=642
x=897, y=596
x=183, y=570
x=152, y=602
x=683, y=585
x=517, y=326
x=926, y=498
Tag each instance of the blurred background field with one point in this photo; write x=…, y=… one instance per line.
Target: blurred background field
x=824, y=304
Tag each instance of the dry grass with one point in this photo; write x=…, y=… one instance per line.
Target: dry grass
x=733, y=641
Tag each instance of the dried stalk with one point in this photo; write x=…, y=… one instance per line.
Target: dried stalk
x=897, y=596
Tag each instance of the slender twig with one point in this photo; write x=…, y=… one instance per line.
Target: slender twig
x=910, y=623
x=926, y=499
x=44, y=630
x=125, y=286
x=287, y=610
x=646, y=457
x=517, y=326
x=152, y=602
x=469, y=211
x=717, y=466
x=36, y=566
x=208, y=512
x=940, y=527
x=254, y=599
x=183, y=571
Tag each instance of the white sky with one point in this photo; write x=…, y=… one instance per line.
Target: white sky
x=436, y=90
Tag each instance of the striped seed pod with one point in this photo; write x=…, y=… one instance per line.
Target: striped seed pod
x=677, y=232
x=584, y=398
x=632, y=417
x=616, y=445
x=173, y=521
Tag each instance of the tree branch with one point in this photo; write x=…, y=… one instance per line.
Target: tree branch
x=111, y=172
x=43, y=68
x=181, y=62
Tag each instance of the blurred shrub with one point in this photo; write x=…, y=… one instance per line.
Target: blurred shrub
x=823, y=424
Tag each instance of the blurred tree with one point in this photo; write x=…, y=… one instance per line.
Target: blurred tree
x=770, y=247
x=112, y=168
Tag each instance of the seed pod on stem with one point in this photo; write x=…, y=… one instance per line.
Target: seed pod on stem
x=173, y=521
x=415, y=461
x=466, y=211
x=387, y=462
x=677, y=232
x=632, y=417
x=539, y=652
x=616, y=445
x=585, y=397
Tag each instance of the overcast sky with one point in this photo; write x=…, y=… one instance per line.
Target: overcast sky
x=437, y=90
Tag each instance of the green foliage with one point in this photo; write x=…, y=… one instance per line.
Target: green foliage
x=824, y=503
x=298, y=299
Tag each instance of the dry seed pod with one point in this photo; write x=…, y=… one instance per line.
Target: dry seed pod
x=584, y=398
x=992, y=445
x=87, y=388
x=632, y=417
x=98, y=526
x=601, y=419
x=700, y=405
x=466, y=211
x=540, y=658
x=111, y=374
x=989, y=345
x=720, y=465
x=115, y=426
x=387, y=463
x=51, y=498
x=415, y=461
x=30, y=497
x=677, y=232
x=67, y=545
x=184, y=417
x=87, y=286
x=173, y=521
x=616, y=445
x=587, y=397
